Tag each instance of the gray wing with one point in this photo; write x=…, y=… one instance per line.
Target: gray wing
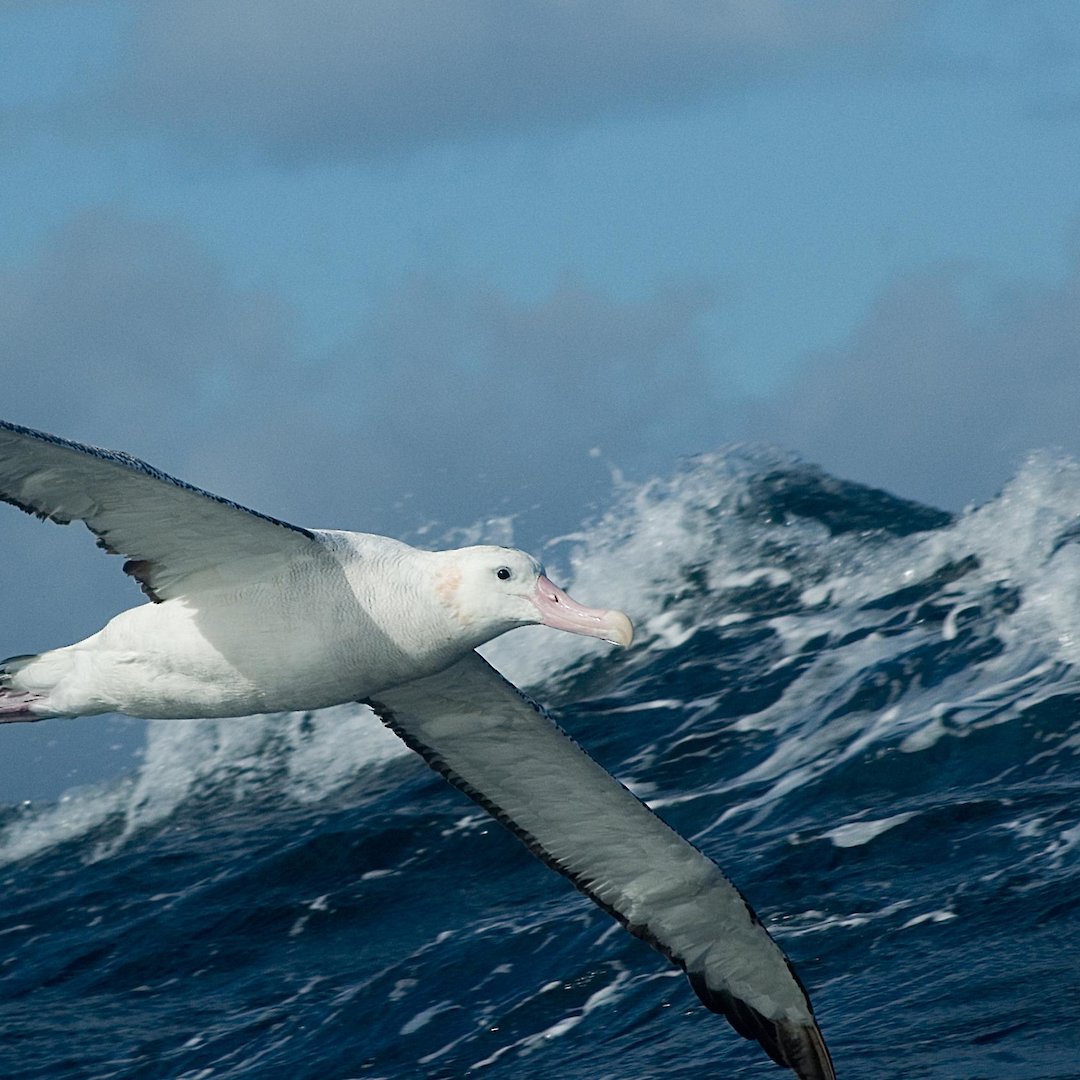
x=177, y=538
x=494, y=744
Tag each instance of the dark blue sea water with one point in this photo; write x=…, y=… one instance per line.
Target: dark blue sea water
x=866, y=711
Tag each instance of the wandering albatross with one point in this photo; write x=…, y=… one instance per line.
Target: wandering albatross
x=250, y=614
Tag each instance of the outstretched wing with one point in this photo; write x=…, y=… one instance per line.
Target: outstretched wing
x=496, y=745
x=177, y=538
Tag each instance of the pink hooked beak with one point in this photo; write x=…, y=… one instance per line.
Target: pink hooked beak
x=557, y=609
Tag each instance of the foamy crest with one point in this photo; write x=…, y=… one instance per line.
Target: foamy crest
x=652, y=554
x=306, y=756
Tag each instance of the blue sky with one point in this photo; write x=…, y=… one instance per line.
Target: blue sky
x=376, y=264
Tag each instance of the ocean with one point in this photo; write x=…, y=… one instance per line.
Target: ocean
x=865, y=710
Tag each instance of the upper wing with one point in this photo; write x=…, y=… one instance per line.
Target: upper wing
x=177, y=538
x=496, y=745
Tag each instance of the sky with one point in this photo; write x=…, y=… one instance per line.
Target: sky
x=390, y=264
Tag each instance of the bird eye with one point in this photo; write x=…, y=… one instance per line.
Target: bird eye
x=503, y=573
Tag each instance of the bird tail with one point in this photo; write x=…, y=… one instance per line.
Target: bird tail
x=17, y=706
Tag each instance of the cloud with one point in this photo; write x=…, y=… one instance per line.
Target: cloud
x=297, y=81
x=454, y=401
x=942, y=391
x=449, y=395
x=122, y=321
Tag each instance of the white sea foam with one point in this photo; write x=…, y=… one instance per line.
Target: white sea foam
x=423, y=1017
x=317, y=754
x=1013, y=539
x=72, y=816
x=606, y=995
x=938, y=916
x=815, y=922
x=857, y=833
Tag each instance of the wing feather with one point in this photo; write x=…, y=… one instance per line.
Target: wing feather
x=177, y=538
x=495, y=744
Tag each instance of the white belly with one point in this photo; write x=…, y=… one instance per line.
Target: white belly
x=226, y=656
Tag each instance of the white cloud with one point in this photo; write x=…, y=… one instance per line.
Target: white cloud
x=465, y=402
x=297, y=81
x=126, y=322
x=124, y=332
x=942, y=390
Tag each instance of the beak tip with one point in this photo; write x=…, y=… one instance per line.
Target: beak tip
x=622, y=629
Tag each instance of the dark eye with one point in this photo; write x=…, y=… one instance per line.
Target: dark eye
x=504, y=573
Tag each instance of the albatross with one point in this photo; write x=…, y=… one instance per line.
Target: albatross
x=249, y=614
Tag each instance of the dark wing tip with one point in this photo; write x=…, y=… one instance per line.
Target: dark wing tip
x=42, y=515
x=795, y=1046
x=142, y=571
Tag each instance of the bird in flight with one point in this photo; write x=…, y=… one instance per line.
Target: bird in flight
x=249, y=614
